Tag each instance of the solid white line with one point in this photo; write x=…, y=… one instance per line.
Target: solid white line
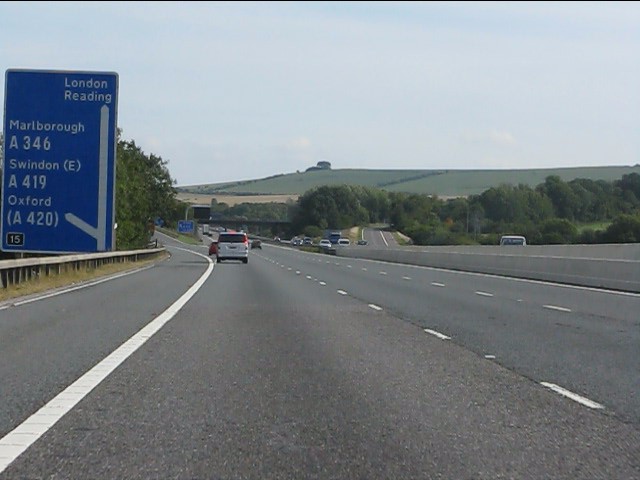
x=342, y=292
x=573, y=396
x=16, y=442
x=436, y=284
x=437, y=334
x=375, y=307
x=558, y=309
x=383, y=239
x=484, y=294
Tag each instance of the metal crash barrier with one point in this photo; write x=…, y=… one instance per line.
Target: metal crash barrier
x=14, y=272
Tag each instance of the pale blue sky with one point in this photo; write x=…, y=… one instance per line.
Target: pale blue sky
x=229, y=90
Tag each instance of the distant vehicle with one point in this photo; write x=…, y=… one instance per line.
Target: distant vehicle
x=513, y=240
x=233, y=246
x=325, y=243
x=206, y=230
x=334, y=237
x=362, y=242
x=344, y=241
x=213, y=248
x=296, y=242
x=256, y=244
x=307, y=241
x=276, y=239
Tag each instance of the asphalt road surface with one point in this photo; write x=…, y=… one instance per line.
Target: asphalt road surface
x=379, y=238
x=302, y=365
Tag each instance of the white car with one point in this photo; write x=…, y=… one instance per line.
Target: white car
x=513, y=240
x=233, y=246
x=325, y=243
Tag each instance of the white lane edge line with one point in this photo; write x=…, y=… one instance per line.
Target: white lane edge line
x=14, y=443
x=441, y=336
x=375, y=307
x=78, y=287
x=573, y=396
x=383, y=239
x=557, y=309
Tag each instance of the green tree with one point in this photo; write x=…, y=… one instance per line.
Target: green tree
x=565, y=202
x=144, y=191
x=558, y=231
x=336, y=206
x=624, y=229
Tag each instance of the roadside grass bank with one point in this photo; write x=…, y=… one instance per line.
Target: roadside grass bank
x=74, y=277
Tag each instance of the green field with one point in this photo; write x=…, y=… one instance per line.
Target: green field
x=444, y=183
x=592, y=226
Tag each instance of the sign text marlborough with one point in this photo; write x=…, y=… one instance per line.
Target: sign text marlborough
x=58, y=177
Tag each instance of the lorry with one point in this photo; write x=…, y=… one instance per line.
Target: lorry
x=334, y=237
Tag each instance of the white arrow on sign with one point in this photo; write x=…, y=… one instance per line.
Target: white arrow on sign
x=99, y=232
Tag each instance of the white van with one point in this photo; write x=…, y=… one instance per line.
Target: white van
x=344, y=241
x=513, y=240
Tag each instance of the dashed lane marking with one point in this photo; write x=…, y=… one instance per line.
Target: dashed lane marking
x=484, y=294
x=441, y=336
x=557, y=309
x=573, y=396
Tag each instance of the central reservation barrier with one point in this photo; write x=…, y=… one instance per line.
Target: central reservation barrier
x=608, y=266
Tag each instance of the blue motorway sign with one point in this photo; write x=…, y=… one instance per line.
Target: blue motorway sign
x=58, y=177
x=185, y=226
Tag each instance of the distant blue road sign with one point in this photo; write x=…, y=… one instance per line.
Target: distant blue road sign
x=185, y=226
x=58, y=180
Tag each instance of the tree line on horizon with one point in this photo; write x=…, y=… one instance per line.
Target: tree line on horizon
x=549, y=213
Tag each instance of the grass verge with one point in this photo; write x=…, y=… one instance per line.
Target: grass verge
x=52, y=282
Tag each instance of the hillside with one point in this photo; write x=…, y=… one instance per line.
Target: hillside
x=444, y=183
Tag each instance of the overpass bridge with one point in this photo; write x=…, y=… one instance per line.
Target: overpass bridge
x=254, y=226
